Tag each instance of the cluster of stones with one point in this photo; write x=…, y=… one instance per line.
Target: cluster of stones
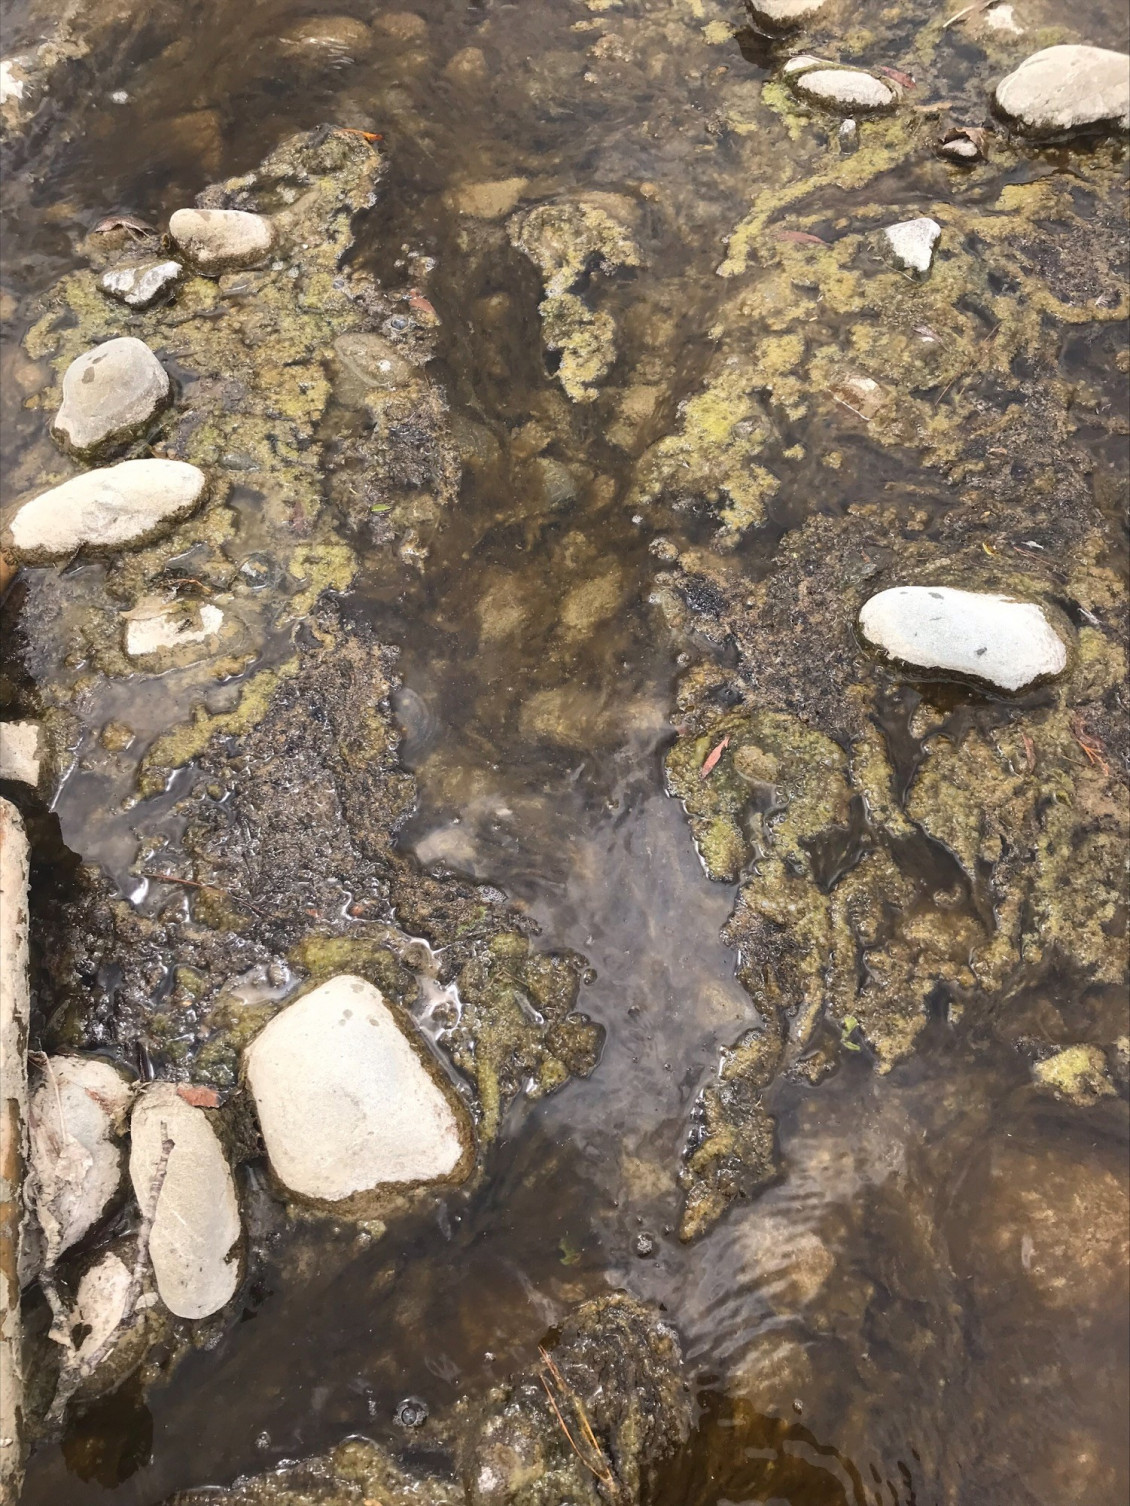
x=374, y=1111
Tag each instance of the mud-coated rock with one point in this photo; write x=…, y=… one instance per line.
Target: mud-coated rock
x=334, y=39
x=77, y=1109
x=1008, y=643
x=345, y=1101
x=140, y=284
x=110, y=393
x=114, y=507
x=220, y=240
x=1067, y=88
x=194, y=1241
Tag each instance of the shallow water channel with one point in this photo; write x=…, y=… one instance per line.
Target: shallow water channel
x=926, y=1303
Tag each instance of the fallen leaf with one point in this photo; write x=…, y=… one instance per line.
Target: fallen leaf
x=712, y=758
x=799, y=238
x=199, y=1098
x=899, y=77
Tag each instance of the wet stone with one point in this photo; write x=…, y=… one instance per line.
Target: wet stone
x=77, y=1108
x=1067, y=88
x=1008, y=643
x=912, y=244
x=850, y=89
x=109, y=394
x=784, y=13
x=221, y=240
x=20, y=751
x=114, y=507
x=344, y=1099
x=156, y=627
x=196, y=1225
x=140, y=284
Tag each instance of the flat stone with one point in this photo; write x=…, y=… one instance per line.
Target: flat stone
x=114, y=507
x=109, y=394
x=101, y=1302
x=961, y=149
x=489, y=201
x=1068, y=88
x=912, y=244
x=77, y=1108
x=345, y=1101
x=848, y=88
x=782, y=13
x=140, y=284
x=1008, y=643
x=221, y=240
x=196, y=1225
x=20, y=751
x=158, y=627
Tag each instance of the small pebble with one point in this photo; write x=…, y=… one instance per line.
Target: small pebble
x=221, y=240
x=140, y=284
x=644, y=1245
x=412, y=1412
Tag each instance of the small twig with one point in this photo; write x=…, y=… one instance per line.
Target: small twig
x=604, y=1474
x=969, y=9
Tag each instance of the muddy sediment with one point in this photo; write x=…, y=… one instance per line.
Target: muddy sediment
x=557, y=431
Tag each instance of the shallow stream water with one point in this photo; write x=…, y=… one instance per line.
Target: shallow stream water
x=863, y=1330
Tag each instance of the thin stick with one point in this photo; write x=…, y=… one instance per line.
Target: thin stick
x=604, y=1475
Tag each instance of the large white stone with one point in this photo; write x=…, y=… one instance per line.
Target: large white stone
x=847, y=88
x=21, y=751
x=220, y=240
x=110, y=393
x=1068, y=88
x=113, y=507
x=1009, y=643
x=196, y=1228
x=345, y=1102
x=912, y=244
x=77, y=1110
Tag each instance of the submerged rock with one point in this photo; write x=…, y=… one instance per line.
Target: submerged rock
x=196, y=1224
x=912, y=243
x=345, y=1100
x=1009, y=643
x=156, y=627
x=76, y=1111
x=109, y=394
x=333, y=39
x=1067, y=88
x=1077, y=1073
x=852, y=89
x=115, y=507
x=139, y=284
x=221, y=240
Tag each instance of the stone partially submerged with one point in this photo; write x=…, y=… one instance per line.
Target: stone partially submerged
x=1009, y=643
x=221, y=240
x=110, y=393
x=115, y=507
x=1068, y=88
x=196, y=1228
x=76, y=1112
x=345, y=1100
x=854, y=91
x=911, y=244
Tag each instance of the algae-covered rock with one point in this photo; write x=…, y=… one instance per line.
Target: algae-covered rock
x=568, y=242
x=610, y=1377
x=896, y=856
